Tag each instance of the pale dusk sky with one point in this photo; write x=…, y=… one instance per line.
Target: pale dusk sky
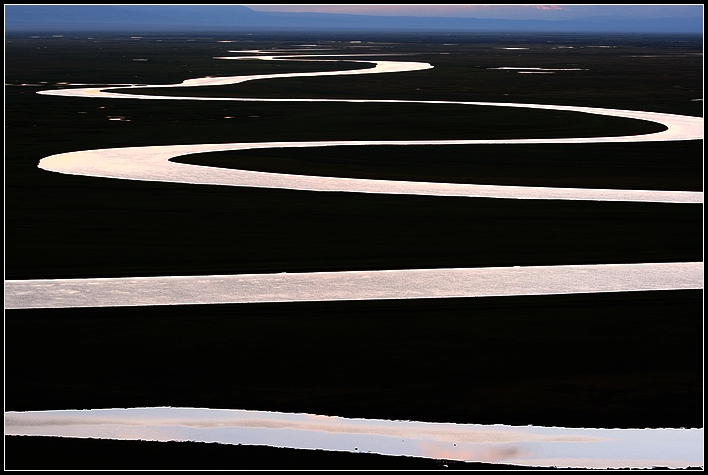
x=539, y=12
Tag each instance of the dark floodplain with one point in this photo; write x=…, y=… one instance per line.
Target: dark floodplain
x=602, y=360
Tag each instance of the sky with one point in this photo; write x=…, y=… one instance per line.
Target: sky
x=516, y=12
x=145, y=18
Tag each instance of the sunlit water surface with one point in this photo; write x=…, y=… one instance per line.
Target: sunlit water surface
x=152, y=163
x=353, y=285
x=529, y=446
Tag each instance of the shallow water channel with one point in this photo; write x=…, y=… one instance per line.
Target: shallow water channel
x=524, y=446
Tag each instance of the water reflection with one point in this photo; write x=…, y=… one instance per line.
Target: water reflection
x=529, y=446
x=535, y=446
x=153, y=163
x=352, y=285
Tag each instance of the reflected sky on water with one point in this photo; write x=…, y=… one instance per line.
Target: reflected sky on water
x=529, y=446
x=352, y=285
x=534, y=446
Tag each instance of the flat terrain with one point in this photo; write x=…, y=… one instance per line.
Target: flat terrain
x=597, y=360
x=641, y=166
x=601, y=360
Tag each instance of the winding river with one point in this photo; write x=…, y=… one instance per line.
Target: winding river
x=524, y=446
x=153, y=163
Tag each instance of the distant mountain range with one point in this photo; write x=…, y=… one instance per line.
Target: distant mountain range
x=139, y=19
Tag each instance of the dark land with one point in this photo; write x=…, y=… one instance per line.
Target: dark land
x=600, y=360
x=641, y=166
x=597, y=360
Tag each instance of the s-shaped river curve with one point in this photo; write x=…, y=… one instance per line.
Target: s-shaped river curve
x=153, y=163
